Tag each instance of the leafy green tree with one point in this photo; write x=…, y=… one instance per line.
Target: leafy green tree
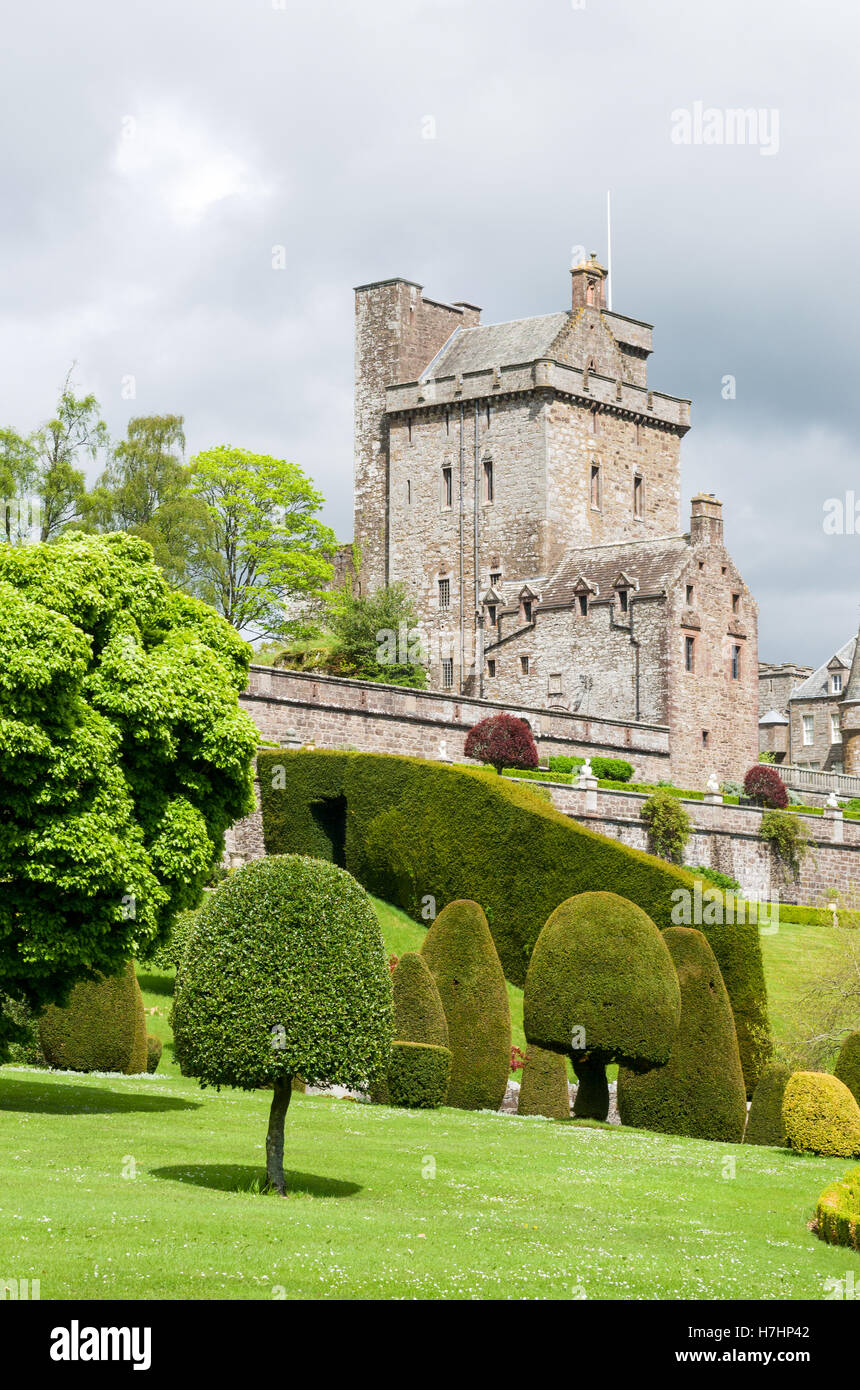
x=144, y=490
x=75, y=431
x=124, y=757
x=377, y=636
x=267, y=552
x=17, y=474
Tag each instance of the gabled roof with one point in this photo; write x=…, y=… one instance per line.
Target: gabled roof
x=498, y=345
x=818, y=683
x=653, y=565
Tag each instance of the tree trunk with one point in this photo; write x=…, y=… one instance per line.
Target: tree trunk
x=592, y=1095
x=275, y=1136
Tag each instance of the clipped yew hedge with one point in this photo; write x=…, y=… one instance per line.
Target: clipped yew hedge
x=418, y=1013
x=102, y=1028
x=418, y=1075
x=153, y=1052
x=543, y=1088
x=837, y=1216
x=700, y=1092
x=821, y=1116
x=413, y=831
x=765, y=1124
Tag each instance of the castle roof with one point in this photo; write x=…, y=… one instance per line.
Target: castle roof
x=497, y=345
x=652, y=565
x=818, y=684
x=773, y=716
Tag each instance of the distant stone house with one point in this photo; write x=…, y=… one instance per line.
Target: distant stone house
x=815, y=713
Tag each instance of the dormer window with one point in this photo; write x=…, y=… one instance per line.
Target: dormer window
x=622, y=599
x=527, y=610
x=836, y=683
x=583, y=604
x=491, y=614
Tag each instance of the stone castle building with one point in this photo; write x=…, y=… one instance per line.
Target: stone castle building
x=524, y=481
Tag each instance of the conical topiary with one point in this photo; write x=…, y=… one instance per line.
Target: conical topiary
x=700, y=1092
x=601, y=987
x=848, y=1065
x=462, y=958
x=153, y=1052
x=98, y=1030
x=764, y=1124
x=419, y=1016
x=543, y=1088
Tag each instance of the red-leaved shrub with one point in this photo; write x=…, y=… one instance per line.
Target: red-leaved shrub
x=766, y=787
x=502, y=741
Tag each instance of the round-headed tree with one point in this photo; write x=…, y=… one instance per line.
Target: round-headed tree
x=847, y=1067
x=286, y=977
x=502, y=741
x=766, y=787
x=124, y=757
x=764, y=1123
x=461, y=954
x=601, y=987
x=701, y=1091
x=543, y=1088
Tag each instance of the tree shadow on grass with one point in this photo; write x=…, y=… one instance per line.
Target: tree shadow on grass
x=157, y=984
x=69, y=1098
x=238, y=1177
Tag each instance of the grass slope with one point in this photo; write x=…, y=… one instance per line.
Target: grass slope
x=791, y=956
x=384, y=1203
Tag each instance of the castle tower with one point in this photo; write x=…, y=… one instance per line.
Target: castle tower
x=588, y=284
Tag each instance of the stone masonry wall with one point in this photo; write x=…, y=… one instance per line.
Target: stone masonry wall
x=335, y=713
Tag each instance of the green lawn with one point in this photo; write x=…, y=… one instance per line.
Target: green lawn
x=790, y=955
x=128, y=1187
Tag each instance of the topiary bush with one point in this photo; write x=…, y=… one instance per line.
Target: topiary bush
x=418, y=1075
x=821, y=1116
x=153, y=1052
x=766, y=787
x=847, y=1067
x=459, y=951
x=543, y=1088
x=286, y=976
x=837, y=1216
x=26, y=1050
x=764, y=1123
x=99, y=1029
x=138, y=1059
x=502, y=741
x=601, y=987
x=414, y=831
x=419, y=1016
x=700, y=1092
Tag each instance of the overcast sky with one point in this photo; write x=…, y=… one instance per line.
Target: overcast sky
x=155, y=151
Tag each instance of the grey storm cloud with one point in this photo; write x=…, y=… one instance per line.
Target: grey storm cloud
x=154, y=155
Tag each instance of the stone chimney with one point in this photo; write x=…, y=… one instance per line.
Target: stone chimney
x=706, y=520
x=589, y=284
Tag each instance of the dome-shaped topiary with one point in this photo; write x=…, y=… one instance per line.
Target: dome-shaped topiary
x=153, y=1052
x=418, y=1075
x=287, y=976
x=419, y=1016
x=100, y=1027
x=543, y=1088
x=764, y=1124
x=463, y=960
x=821, y=1116
x=700, y=1092
x=848, y=1065
x=601, y=987
x=168, y=956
